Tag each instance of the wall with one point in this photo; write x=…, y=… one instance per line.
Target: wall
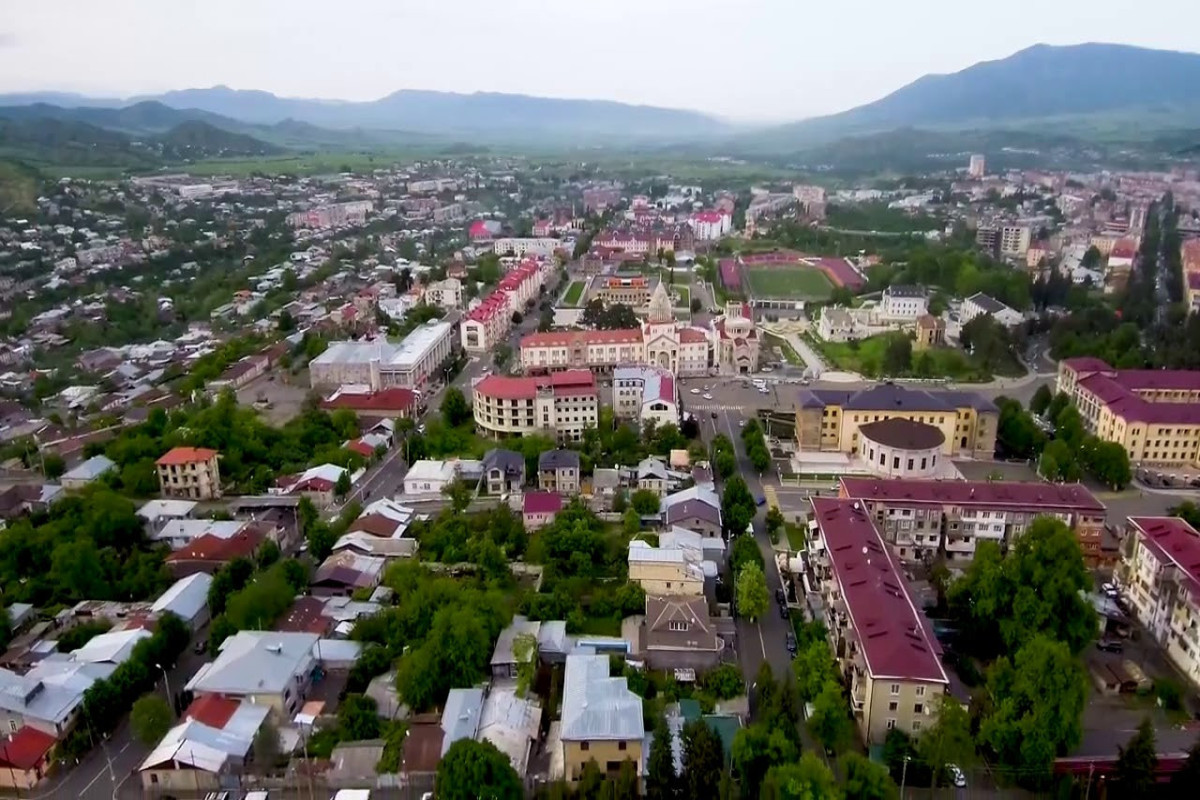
x=574, y=756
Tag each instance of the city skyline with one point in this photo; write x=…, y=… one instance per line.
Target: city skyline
x=752, y=63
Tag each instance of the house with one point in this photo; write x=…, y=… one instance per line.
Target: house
x=214, y=739
x=157, y=513
x=87, y=472
x=678, y=633
x=503, y=471
x=380, y=530
x=558, y=471
x=697, y=509
x=113, y=647
x=601, y=718
x=270, y=669
x=25, y=758
x=836, y=324
x=606, y=484
x=905, y=303
x=393, y=402
x=504, y=657
x=663, y=571
x=189, y=472
x=540, y=508
x=931, y=332
x=318, y=484
x=511, y=723
x=49, y=695
x=654, y=475
x=346, y=571
x=460, y=715
x=429, y=477
x=187, y=599
x=209, y=552
x=980, y=304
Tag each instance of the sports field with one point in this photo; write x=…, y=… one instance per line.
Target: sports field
x=788, y=283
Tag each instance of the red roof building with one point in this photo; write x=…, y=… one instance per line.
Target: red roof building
x=207, y=553
x=25, y=757
x=394, y=402
x=212, y=710
x=179, y=456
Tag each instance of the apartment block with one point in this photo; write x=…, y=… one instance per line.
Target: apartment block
x=920, y=517
x=190, y=472
x=878, y=635
x=563, y=405
x=1159, y=575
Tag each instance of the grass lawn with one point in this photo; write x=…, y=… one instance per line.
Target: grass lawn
x=866, y=358
x=685, y=297
x=789, y=353
x=795, y=283
x=574, y=292
x=795, y=536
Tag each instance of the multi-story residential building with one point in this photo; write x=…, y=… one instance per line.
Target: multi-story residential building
x=904, y=303
x=709, y=226
x=664, y=571
x=601, y=718
x=526, y=247
x=918, y=518
x=486, y=324
x=379, y=364
x=563, y=404
x=600, y=351
x=988, y=238
x=191, y=472
x=829, y=419
x=1014, y=240
x=446, y=294
x=330, y=216
x=977, y=166
x=631, y=290
x=1152, y=413
x=1159, y=576
x=646, y=393
x=559, y=471
x=878, y=635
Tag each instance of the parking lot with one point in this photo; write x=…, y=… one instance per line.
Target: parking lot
x=278, y=395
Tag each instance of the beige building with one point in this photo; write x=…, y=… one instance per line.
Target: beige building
x=601, y=718
x=630, y=290
x=1159, y=575
x=190, y=472
x=563, y=405
x=878, y=635
x=828, y=420
x=664, y=571
x=445, y=294
x=1152, y=413
x=931, y=332
x=266, y=668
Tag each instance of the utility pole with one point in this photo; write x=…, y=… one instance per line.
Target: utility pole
x=904, y=776
x=1088, y=786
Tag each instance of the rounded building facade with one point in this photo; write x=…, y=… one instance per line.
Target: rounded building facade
x=901, y=448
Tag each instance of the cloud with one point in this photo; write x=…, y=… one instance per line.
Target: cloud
x=8, y=39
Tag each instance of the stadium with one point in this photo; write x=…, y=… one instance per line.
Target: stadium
x=782, y=280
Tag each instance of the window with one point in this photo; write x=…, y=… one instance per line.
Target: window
x=583, y=746
x=892, y=706
x=621, y=745
x=895, y=689
x=916, y=725
x=678, y=625
x=891, y=723
x=918, y=708
x=920, y=691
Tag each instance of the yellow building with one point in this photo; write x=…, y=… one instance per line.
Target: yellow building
x=601, y=718
x=191, y=472
x=877, y=633
x=931, y=332
x=1154, y=414
x=1159, y=575
x=663, y=571
x=829, y=419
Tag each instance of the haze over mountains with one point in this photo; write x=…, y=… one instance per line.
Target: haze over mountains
x=1125, y=88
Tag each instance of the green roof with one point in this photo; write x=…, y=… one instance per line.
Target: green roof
x=726, y=727
x=689, y=709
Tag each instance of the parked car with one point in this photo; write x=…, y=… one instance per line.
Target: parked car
x=1110, y=646
x=784, y=612
x=761, y=500
x=1109, y=589
x=791, y=643
x=200, y=647
x=956, y=776
x=780, y=597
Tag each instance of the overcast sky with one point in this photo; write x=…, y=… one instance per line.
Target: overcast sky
x=742, y=59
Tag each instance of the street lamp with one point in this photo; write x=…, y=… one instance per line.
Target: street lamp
x=167, y=685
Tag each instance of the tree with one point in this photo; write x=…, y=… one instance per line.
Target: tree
x=1137, y=763
x=306, y=515
x=471, y=770
x=760, y=458
x=525, y=651
x=814, y=669
x=1185, y=781
x=617, y=316
x=723, y=682
x=267, y=751
x=775, y=520
x=517, y=319
x=661, y=780
x=949, y=740
x=459, y=494
x=744, y=550
x=1091, y=258
x=1057, y=404
x=631, y=523
x=866, y=780
x=829, y=724
x=1109, y=463
x=286, y=323
x=841, y=296
x=1037, y=706
x=737, y=505
x=321, y=540
x=755, y=750
x=807, y=779
x=645, y=502
x=897, y=357
x=1041, y=399
x=455, y=409
x=358, y=718
x=703, y=760
x=150, y=718
x=696, y=305
x=342, y=487
x=53, y=466
x=1188, y=511
x=752, y=596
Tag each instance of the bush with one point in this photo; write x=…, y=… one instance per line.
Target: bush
x=724, y=683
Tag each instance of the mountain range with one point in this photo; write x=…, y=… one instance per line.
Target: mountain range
x=1085, y=91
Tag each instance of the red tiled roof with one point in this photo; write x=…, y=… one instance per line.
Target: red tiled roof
x=893, y=635
x=26, y=748
x=307, y=615
x=505, y=387
x=1124, y=248
x=542, y=503
x=186, y=455
x=1118, y=392
x=212, y=710
x=386, y=399
x=361, y=447
x=1030, y=496
x=691, y=336
x=1173, y=541
x=1087, y=364
x=375, y=524
x=581, y=338
x=216, y=549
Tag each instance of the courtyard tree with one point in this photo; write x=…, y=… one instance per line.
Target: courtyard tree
x=455, y=408
x=867, y=780
x=645, y=502
x=150, y=719
x=806, y=779
x=752, y=597
x=471, y=770
x=1137, y=763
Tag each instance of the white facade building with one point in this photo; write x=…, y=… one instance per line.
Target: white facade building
x=380, y=364
x=904, y=302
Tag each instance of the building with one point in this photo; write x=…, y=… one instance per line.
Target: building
x=836, y=324
x=266, y=668
x=1152, y=413
x=189, y=472
x=214, y=739
x=630, y=290
x=829, y=419
x=562, y=405
x=904, y=303
x=345, y=572
x=977, y=166
x=318, y=484
x=187, y=599
x=558, y=471
x=487, y=324
x=89, y=471
x=379, y=364
x=931, y=332
x=540, y=508
x=899, y=447
x=697, y=508
x=25, y=758
x=878, y=635
x=1159, y=576
x=1014, y=240
x=919, y=518
x=332, y=216
x=980, y=304
x=678, y=633
x=503, y=471
x=664, y=571
x=601, y=718
x=391, y=403
x=987, y=238
x=708, y=226
x=429, y=477
x=445, y=294
x=645, y=393
x=520, y=248
x=736, y=342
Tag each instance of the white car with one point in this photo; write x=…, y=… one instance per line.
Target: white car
x=695, y=391
x=1109, y=589
x=763, y=390
x=956, y=776
x=707, y=396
